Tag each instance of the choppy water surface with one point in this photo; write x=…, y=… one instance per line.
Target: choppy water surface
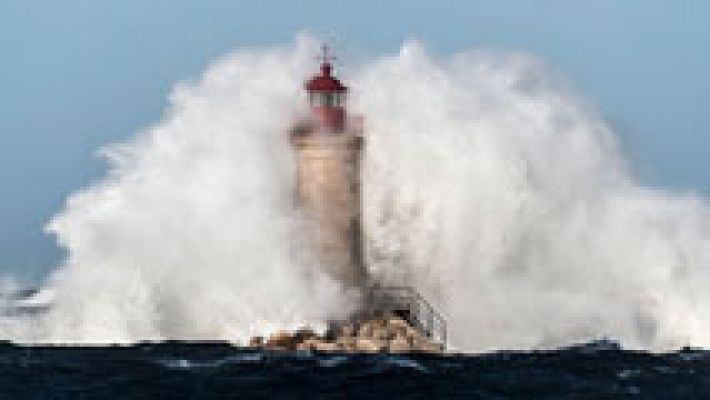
x=213, y=370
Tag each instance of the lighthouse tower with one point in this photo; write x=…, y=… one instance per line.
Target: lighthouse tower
x=328, y=145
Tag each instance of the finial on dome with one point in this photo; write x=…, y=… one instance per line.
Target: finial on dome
x=326, y=59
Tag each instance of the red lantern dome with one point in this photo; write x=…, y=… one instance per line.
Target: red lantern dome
x=325, y=81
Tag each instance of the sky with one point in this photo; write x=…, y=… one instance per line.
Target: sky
x=78, y=74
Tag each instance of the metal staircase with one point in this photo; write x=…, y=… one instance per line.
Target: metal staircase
x=408, y=304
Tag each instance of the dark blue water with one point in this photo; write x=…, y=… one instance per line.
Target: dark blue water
x=213, y=370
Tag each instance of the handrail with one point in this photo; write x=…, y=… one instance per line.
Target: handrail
x=417, y=310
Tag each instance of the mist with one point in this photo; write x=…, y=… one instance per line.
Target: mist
x=489, y=185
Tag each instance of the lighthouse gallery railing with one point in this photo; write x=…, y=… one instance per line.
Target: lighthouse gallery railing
x=410, y=305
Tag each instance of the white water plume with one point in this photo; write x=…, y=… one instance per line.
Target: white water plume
x=497, y=193
x=487, y=185
x=192, y=234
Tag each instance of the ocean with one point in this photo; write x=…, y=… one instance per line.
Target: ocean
x=180, y=370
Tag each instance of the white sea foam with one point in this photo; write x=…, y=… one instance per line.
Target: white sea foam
x=487, y=183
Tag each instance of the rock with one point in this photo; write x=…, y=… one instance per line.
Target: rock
x=365, y=331
x=379, y=322
x=380, y=334
x=370, y=345
x=281, y=340
x=347, y=330
x=414, y=334
x=400, y=345
x=383, y=333
x=347, y=343
x=396, y=322
x=304, y=334
x=256, y=341
x=326, y=346
x=308, y=344
x=429, y=347
x=319, y=345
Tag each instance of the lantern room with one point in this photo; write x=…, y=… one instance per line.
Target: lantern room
x=326, y=95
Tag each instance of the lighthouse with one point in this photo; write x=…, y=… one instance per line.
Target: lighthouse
x=328, y=145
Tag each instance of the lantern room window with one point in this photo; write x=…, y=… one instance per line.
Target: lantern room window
x=327, y=99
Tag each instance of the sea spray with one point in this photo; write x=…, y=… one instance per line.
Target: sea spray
x=192, y=234
x=506, y=200
x=488, y=185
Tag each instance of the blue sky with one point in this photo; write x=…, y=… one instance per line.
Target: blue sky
x=76, y=74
